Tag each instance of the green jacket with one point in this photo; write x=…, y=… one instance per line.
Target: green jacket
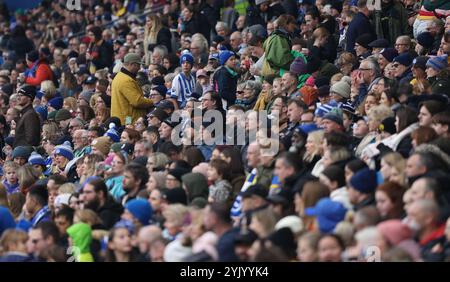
x=265, y=174
x=277, y=51
x=81, y=235
x=396, y=18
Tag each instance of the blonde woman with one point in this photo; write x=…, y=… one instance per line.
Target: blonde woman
x=314, y=149
x=49, y=90
x=70, y=104
x=89, y=166
x=375, y=115
x=393, y=167
x=155, y=34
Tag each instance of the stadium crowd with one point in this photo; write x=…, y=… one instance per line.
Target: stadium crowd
x=225, y=130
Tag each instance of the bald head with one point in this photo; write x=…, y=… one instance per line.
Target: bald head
x=147, y=236
x=236, y=40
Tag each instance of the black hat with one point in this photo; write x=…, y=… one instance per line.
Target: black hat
x=364, y=40
x=284, y=239
x=159, y=114
x=170, y=123
x=420, y=62
x=388, y=125
x=166, y=105
x=28, y=90
x=90, y=80
x=158, y=80
x=283, y=197
x=379, y=43
x=175, y=196
x=245, y=238
x=7, y=89
x=257, y=189
x=178, y=173
x=33, y=56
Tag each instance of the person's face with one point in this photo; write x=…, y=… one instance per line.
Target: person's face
x=401, y=46
x=124, y=137
x=385, y=170
x=121, y=241
x=186, y=14
x=172, y=227
x=305, y=253
x=373, y=124
x=399, y=69
x=231, y=62
x=382, y=62
x=384, y=100
x=165, y=131
x=62, y=223
x=186, y=67
x=418, y=190
x=10, y=175
x=155, y=96
x=311, y=23
x=172, y=182
x=117, y=165
x=213, y=175
x=359, y=49
x=52, y=194
x=36, y=242
x=384, y=203
x=440, y=128
x=424, y=117
x=89, y=195
x=366, y=71
x=253, y=156
x=20, y=161
x=235, y=41
x=73, y=125
x=431, y=72
x=10, y=115
x=207, y=102
x=330, y=126
x=155, y=200
x=412, y=166
x=287, y=82
x=294, y=113
x=371, y=101
x=282, y=171
x=129, y=181
x=60, y=161
x=329, y=250
x=310, y=146
x=139, y=150
x=277, y=87
x=23, y=100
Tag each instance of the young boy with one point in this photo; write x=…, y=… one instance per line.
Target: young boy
x=10, y=180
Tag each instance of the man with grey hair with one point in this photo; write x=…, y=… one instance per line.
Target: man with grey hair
x=158, y=53
x=367, y=76
x=81, y=143
x=423, y=219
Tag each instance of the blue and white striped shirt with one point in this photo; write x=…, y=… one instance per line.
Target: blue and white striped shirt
x=182, y=88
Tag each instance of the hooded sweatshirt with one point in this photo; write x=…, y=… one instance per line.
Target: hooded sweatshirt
x=196, y=186
x=81, y=235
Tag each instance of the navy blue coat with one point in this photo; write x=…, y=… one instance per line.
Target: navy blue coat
x=358, y=26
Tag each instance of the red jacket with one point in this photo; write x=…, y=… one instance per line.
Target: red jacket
x=43, y=72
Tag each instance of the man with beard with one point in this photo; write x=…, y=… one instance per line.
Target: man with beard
x=135, y=178
x=96, y=198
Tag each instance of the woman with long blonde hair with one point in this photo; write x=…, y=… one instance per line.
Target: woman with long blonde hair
x=155, y=34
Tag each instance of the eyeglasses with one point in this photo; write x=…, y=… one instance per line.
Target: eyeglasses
x=400, y=44
x=364, y=69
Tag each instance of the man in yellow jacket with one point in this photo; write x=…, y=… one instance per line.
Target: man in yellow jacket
x=127, y=98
